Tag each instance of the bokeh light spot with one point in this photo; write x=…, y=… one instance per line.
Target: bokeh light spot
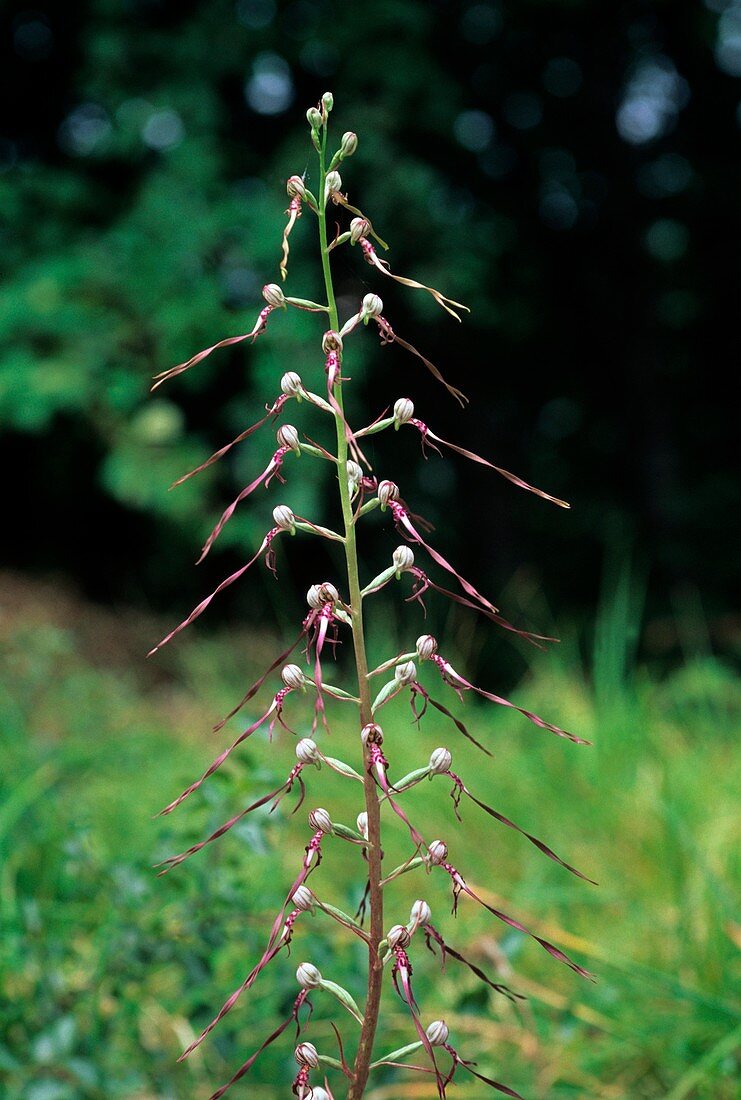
x=481, y=23
x=666, y=240
x=84, y=129
x=523, y=110
x=474, y=130
x=654, y=95
x=32, y=37
x=163, y=129
x=668, y=175
x=269, y=91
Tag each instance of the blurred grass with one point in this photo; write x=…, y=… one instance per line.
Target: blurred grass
x=107, y=971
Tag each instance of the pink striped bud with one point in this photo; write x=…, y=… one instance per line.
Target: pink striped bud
x=331, y=341
x=403, y=558
x=398, y=936
x=287, y=436
x=426, y=647
x=440, y=761
x=314, y=118
x=328, y=101
x=437, y=852
x=290, y=384
x=387, y=491
x=304, y=899
x=328, y=592
x=359, y=227
x=320, y=820
x=405, y=673
x=296, y=188
x=293, y=677
x=308, y=976
x=420, y=914
x=371, y=734
x=284, y=518
x=403, y=411
x=273, y=295
x=438, y=1033
x=362, y=824
x=306, y=1055
x=307, y=751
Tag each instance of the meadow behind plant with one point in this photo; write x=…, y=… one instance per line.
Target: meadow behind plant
x=107, y=972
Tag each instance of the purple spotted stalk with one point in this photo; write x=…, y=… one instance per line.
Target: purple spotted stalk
x=392, y=945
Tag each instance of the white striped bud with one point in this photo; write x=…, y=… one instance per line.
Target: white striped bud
x=405, y=673
x=313, y=597
x=437, y=852
x=283, y=517
x=403, y=558
x=308, y=976
x=403, y=411
x=328, y=592
x=331, y=341
x=362, y=824
x=440, y=761
x=354, y=474
x=293, y=677
x=318, y=1093
x=306, y=1055
x=333, y=182
x=372, y=306
x=296, y=188
x=314, y=118
x=387, y=491
x=359, y=227
x=273, y=295
x=420, y=913
x=304, y=899
x=320, y=820
x=328, y=101
x=371, y=734
x=426, y=647
x=398, y=936
x=438, y=1033
x=290, y=384
x=307, y=751
x=349, y=144
x=287, y=436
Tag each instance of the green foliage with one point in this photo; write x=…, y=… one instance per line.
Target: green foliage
x=107, y=970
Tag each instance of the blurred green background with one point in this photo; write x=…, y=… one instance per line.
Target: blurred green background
x=570, y=171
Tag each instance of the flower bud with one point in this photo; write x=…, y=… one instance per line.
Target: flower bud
x=387, y=491
x=420, y=913
x=290, y=383
x=306, y=1055
x=328, y=593
x=437, y=852
x=398, y=936
x=308, y=976
x=293, y=677
x=331, y=341
x=362, y=824
x=438, y=1033
x=332, y=182
x=371, y=734
x=403, y=411
x=354, y=472
x=328, y=101
x=314, y=118
x=318, y=1093
x=372, y=306
x=403, y=558
x=348, y=145
x=405, y=673
x=296, y=188
x=284, y=517
x=307, y=751
x=320, y=821
x=313, y=597
x=440, y=761
x=303, y=898
x=359, y=227
x=287, y=436
x=426, y=646
x=273, y=295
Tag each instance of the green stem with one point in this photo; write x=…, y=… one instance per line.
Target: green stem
x=372, y=804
